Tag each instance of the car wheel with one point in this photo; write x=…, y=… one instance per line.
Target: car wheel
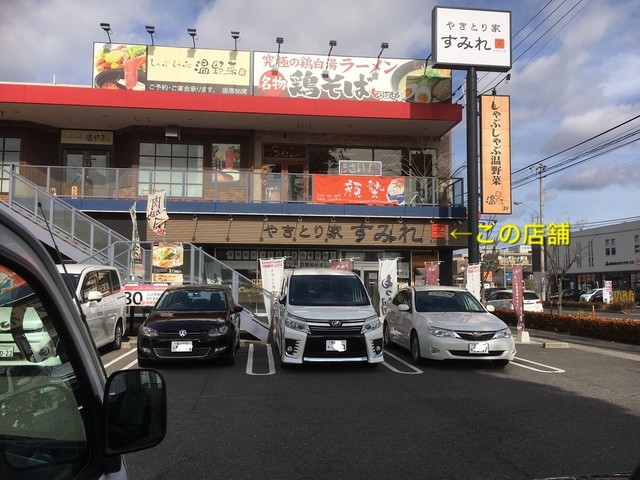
x=386, y=339
x=414, y=348
x=230, y=358
x=117, y=337
x=143, y=362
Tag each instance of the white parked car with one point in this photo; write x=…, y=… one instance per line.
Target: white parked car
x=103, y=300
x=504, y=299
x=446, y=323
x=326, y=315
x=591, y=294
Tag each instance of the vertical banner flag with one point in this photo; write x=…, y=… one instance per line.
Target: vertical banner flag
x=472, y=279
x=272, y=273
x=387, y=283
x=517, y=286
x=341, y=264
x=157, y=212
x=136, y=250
x=431, y=273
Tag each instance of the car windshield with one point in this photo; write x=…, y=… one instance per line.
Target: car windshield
x=592, y=291
x=327, y=290
x=530, y=296
x=192, y=300
x=447, y=301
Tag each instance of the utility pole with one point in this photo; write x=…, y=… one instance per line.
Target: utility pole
x=541, y=168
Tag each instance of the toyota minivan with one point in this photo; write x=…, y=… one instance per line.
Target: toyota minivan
x=326, y=315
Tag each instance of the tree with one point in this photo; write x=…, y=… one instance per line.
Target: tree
x=559, y=260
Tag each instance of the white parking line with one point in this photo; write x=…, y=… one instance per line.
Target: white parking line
x=549, y=368
x=416, y=371
x=272, y=368
x=117, y=359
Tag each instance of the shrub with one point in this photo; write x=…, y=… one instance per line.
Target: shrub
x=617, y=330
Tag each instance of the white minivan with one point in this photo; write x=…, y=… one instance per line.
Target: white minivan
x=99, y=290
x=326, y=315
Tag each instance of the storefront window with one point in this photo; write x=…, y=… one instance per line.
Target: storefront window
x=9, y=158
x=176, y=168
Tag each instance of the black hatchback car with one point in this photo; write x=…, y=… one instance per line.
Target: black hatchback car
x=191, y=322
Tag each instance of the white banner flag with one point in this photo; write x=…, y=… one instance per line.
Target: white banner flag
x=272, y=273
x=387, y=283
x=472, y=279
x=157, y=212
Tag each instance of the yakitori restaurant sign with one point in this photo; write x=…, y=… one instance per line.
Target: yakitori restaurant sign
x=349, y=78
x=171, y=69
x=463, y=38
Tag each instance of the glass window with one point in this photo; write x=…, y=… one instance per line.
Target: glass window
x=169, y=162
x=41, y=402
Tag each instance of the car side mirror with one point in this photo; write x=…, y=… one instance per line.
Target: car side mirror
x=135, y=406
x=94, y=296
x=238, y=309
x=403, y=307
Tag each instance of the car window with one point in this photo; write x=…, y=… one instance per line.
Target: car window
x=327, y=290
x=446, y=301
x=192, y=300
x=41, y=402
x=531, y=296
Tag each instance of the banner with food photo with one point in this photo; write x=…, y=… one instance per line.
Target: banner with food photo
x=167, y=262
x=119, y=66
x=225, y=162
x=358, y=189
x=349, y=78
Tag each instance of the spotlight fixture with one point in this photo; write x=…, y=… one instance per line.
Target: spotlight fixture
x=279, y=41
x=107, y=28
x=506, y=81
x=192, y=32
x=383, y=47
x=236, y=39
x=151, y=30
x=325, y=72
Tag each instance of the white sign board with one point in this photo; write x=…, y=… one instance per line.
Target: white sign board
x=464, y=38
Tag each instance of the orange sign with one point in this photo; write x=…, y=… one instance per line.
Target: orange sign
x=357, y=189
x=495, y=154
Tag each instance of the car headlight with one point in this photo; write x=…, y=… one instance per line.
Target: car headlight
x=149, y=332
x=217, y=331
x=370, y=324
x=296, y=323
x=440, y=332
x=504, y=333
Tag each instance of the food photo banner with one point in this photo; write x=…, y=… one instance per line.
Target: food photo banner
x=348, y=78
x=171, y=69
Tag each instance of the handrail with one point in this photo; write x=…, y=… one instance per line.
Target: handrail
x=213, y=185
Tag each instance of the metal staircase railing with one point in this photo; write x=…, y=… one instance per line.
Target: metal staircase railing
x=85, y=240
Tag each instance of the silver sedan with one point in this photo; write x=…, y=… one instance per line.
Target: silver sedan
x=446, y=323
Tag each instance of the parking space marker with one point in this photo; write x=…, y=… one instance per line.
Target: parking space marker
x=272, y=368
x=549, y=368
x=416, y=371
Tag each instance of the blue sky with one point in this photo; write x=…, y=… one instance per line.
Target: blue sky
x=575, y=73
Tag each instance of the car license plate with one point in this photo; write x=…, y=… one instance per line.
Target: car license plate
x=181, y=346
x=6, y=351
x=478, y=348
x=336, y=345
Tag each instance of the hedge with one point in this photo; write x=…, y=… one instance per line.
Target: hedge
x=617, y=330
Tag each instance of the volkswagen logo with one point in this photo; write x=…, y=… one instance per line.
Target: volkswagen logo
x=336, y=323
x=182, y=333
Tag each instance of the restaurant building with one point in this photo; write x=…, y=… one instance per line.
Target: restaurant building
x=259, y=154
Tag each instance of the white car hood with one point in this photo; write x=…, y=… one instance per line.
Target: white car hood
x=326, y=314
x=469, y=321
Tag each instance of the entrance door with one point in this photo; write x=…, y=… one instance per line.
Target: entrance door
x=87, y=169
x=287, y=182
